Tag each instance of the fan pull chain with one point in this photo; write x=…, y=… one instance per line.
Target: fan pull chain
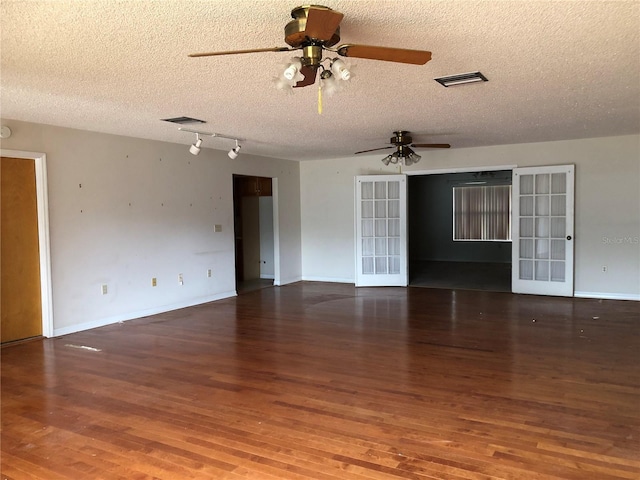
x=320, y=98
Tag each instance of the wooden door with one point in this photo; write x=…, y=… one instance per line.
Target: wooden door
x=251, y=237
x=21, y=307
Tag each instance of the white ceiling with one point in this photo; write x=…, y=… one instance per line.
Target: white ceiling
x=557, y=70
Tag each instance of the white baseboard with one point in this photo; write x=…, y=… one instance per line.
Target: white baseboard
x=329, y=279
x=607, y=296
x=266, y=276
x=57, y=332
x=287, y=281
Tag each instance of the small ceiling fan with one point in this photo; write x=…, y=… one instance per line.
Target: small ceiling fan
x=315, y=28
x=401, y=141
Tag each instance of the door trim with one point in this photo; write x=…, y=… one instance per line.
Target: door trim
x=276, y=231
x=42, y=200
x=460, y=170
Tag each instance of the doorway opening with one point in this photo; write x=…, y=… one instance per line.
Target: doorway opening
x=254, y=232
x=438, y=259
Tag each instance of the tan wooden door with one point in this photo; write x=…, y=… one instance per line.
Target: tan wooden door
x=251, y=237
x=21, y=308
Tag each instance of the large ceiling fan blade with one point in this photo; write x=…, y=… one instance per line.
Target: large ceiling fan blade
x=322, y=23
x=235, y=52
x=310, y=73
x=374, y=150
x=431, y=145
x=400, y=55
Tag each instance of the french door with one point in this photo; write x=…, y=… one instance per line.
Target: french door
x=542, y=230
x=381, y=230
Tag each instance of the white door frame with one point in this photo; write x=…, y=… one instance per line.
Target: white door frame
x=276, y=228
x=485, y=169
x=460, y=170
x=491, y=168
x=276, y=231
x=42, y=200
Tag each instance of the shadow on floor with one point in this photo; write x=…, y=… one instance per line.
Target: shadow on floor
x=253, y=284
x=491, y=277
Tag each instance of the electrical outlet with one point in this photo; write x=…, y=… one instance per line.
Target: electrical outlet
x=209, y=273
x=604, y=268
x=180, y=279
x=104, y=289
x=154, y=282
x=217, y=228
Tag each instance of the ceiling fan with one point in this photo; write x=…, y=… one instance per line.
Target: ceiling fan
x=401, y=141
x=315, y=28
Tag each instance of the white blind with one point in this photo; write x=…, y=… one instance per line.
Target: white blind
x=482, y=212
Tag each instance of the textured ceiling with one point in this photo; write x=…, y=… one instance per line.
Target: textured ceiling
x=557, y=70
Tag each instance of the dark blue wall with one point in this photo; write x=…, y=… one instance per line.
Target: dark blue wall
x=431, y=220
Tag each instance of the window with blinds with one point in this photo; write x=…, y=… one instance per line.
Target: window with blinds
x=482, y=213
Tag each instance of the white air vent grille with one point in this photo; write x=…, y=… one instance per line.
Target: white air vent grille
x=461, y=79
x=183, y=120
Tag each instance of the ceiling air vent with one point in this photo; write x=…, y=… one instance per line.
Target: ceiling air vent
x=182, y=120
x=461, y=79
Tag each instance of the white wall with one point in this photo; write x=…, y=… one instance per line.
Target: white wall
x=607, y=222
x=123, y=210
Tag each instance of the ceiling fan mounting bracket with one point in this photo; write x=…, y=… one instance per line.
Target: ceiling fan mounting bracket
x=311, y=55
x=295, y=33
x=401, y=138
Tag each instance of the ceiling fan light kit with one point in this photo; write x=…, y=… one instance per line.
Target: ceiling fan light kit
x=340, y=69
x=316, y=28
x=293, y=70
x=404, y=156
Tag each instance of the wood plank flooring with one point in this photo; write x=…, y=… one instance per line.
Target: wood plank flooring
x=326, y=381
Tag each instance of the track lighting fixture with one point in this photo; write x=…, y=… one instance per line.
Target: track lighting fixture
x=195, y=148
x=233, y=153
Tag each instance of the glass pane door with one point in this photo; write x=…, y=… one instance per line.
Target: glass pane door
x=543, y=230
x=381, y=253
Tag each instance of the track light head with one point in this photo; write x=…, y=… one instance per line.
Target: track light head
x=233, y=153
x=195, y=148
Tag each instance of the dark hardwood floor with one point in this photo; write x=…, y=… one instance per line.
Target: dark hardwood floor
x=492, y=277
x=326, y=381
